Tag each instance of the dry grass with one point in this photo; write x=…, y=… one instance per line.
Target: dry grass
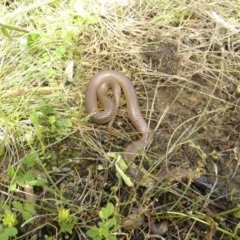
x=183, y=59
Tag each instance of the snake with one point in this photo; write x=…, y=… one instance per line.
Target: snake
x=98, y=89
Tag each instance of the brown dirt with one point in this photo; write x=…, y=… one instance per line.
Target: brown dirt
x=196, y=119
x=198, y=133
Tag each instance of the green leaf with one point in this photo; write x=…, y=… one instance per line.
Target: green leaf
x=28, y=176
x=17, y=205
x=10, y=231
x=21, y=183
x=103, y=232
x=13, y=186
x=34, y=118
x=115, y=227
x=37, y=182
x=4, y=236
x=110, y=237
x=11, y=171
x=46, y=110
x=60, y=52
x=5, y=32
x=107, y=211
x=93, y=232
x=29, y=40
x=112, y=221
x=6, y=208
x=20, y=171
x=29, y=207
x=29, y=159
x=110, y=209
x=32, y=38
x=103, y=213
x=64, y=123
x=27, y=216
x=125, y=178
x=122, y=164
x=102, y=226
x=66, y=226
x=98, y=238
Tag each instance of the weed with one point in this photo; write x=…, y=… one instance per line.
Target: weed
x=24, y=174
x=46, y=237
x=106, y=227
x=26, y=209
x=66, y=220
x=7, y=222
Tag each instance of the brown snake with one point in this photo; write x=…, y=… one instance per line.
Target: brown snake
x=97, y=90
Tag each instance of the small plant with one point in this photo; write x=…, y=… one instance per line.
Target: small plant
x=7, y=222
x=45, y=121
x=21, y=177
x=66, y=220
x=46, y=237
x=106, y=227
x=27, y=210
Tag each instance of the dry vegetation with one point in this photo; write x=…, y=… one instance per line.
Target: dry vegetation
x=183, y=58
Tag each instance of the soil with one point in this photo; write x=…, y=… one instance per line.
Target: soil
x=196, y=142
x=200, y=118
x=200, y=129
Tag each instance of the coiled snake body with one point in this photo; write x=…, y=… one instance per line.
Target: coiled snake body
x=97, y=90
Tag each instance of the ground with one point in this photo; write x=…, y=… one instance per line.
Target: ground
x=183, y=60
